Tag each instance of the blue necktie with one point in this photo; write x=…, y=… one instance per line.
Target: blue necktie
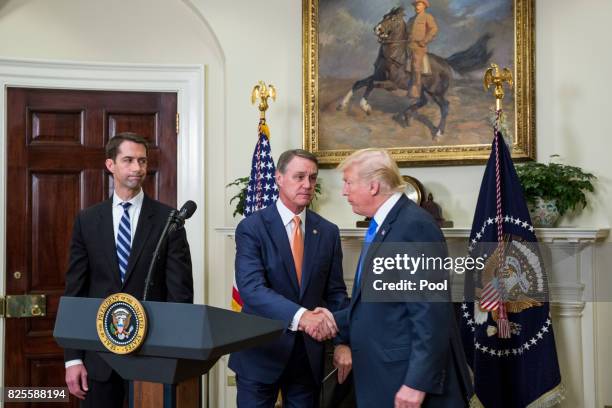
x=369, y=237
x=124, y=239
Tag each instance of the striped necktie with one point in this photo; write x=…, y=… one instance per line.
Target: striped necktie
x=124, y=239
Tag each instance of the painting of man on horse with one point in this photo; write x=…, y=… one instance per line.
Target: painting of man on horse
x=412, y=93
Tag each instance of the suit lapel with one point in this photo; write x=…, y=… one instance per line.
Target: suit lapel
x=146, y=222
x=278, y=233
x=105, y=225
x=382, y=234
x=311, y=244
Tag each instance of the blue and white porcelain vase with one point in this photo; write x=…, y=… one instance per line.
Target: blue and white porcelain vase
x=544, y=213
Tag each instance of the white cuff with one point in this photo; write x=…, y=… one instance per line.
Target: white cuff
x=73, y=362
x=296, y=319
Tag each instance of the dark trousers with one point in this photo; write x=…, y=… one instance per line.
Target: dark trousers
x=106, y=394
x=297, y=384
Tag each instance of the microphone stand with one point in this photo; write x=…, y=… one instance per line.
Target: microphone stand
x=172, y=221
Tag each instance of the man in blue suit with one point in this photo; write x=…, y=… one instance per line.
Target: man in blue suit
x=404, y=353
x=289, y=268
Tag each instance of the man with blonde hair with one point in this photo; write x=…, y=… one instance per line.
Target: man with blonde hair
x=376, y=164
x=405, y=353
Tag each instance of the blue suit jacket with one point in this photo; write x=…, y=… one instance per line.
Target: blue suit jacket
x=267, y=281
x=411, y=343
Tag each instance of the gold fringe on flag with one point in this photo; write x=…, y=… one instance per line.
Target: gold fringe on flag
x=546, y=400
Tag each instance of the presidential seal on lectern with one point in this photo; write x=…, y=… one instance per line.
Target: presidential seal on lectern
x=121, y=323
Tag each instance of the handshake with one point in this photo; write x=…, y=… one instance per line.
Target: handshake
x=318, y=324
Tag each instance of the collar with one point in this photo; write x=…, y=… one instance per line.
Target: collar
x=135, y=201
x=287, y=215
x=385, y=208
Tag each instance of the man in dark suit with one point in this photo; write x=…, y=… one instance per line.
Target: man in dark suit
x=111, y=249
x=289, y=268
x=405, y=353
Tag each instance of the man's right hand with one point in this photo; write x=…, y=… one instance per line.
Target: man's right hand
x=318, y=324
x=76, y=380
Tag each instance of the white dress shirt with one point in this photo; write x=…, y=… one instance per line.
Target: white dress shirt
x=287, y=218
x=385, y=208
x=134, y=212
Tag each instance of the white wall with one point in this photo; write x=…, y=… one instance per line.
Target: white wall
x=572, y=62
x=242, y=41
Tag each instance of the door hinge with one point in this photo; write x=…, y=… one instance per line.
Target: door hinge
x=178, y=123
x=23, y=306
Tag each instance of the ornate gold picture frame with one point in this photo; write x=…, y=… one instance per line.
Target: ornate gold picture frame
x=341, y=42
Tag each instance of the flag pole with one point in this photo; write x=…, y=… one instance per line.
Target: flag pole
x=261, y=191
x=262, y=92
x=496, y=76
x=514, y=363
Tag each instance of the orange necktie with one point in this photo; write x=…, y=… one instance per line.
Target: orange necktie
x=297, y=247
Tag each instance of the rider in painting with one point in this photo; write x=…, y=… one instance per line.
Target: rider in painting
x=422, y=29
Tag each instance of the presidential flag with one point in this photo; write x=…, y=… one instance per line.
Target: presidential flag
x=261, y=189
x=506, y=327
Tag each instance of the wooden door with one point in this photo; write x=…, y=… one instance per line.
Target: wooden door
x=55, y=161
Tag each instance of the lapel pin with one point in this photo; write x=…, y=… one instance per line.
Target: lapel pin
x=382, y=232
x=314, y=231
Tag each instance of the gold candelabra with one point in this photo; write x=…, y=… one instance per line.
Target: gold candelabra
x=497, y=76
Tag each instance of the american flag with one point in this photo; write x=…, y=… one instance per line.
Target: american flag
x=261, y=190
x=490, y=297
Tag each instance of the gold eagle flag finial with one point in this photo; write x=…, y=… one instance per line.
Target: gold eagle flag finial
x=496, y=76
x=262, y=92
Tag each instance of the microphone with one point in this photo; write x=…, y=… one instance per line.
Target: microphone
x=176, y=220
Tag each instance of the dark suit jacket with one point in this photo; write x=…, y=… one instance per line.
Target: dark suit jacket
x=266, y=279
x=411, y=343
x=93, y=269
